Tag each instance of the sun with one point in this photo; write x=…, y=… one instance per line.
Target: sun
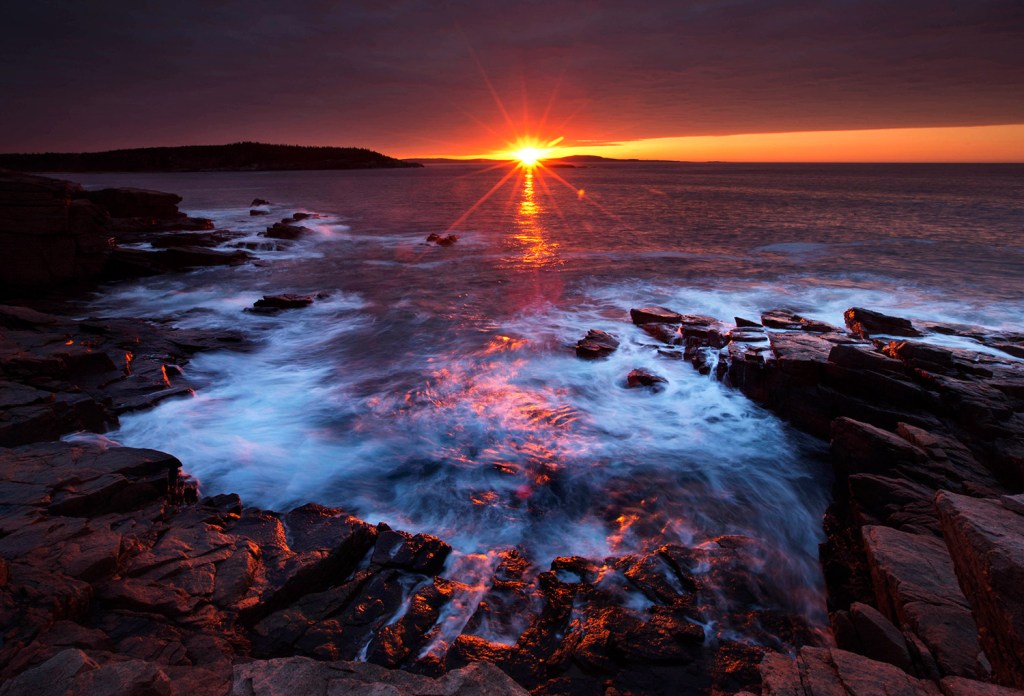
x=529, y=152
x=528, y=156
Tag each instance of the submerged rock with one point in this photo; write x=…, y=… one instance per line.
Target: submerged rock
x=643, y=378
x=272, y=303
x=442, y=240
x=596, y=344
x=286, y=230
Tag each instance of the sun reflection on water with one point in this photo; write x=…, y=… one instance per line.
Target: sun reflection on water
x=534, y=249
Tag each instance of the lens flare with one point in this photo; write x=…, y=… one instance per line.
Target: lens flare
x=529, y=152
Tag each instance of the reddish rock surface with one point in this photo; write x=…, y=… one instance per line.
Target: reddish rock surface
x=986, y=541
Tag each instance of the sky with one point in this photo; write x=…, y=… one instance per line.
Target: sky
x=740, y=80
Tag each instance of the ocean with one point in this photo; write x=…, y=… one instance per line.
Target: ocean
x=436, y=388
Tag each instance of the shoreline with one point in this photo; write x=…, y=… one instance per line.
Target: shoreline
x=194, y=579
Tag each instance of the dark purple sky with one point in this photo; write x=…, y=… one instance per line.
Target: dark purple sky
x=407, y=77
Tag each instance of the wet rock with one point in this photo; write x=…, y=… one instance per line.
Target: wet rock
x=915, y=586
x=654, y=315
x=699, y=331
x=784, y=319
x=866, y=323
x=420, y=553
x=284, y=230
x=258, y=201
x=642, y=378
x=665, y=333
x=211, y=239
x=442, y=240
x=985, y=538
x=130, y=263
x=271, y=303
x=747, y=323
x=255, y=212
x=596, y=344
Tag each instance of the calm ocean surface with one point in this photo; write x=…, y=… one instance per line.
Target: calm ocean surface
x=436, y=389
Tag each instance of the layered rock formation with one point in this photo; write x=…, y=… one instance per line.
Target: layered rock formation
x=925, y=557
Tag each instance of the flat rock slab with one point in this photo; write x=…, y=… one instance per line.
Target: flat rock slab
x=654, y=315
x=986, y=542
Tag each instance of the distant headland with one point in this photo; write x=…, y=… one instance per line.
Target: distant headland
x=235, y=157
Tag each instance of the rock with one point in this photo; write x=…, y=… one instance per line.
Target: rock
x=834, y=672
x=784, y=319
x=442, y=240
x=747, y=323
x=46, y=238
x=421, y=553
x=259, y=212
x=284, y=230
x=866, y=323
x=596, y=344
x=130, y=263
x=986, y=542
x=188, y=239
x=958, y=686
x=279, y=302
x=654, y=315
x=875, y=637
x=73, y=673
x=135, y=202
x=915, y=585
x=298, y=675
x=703, y=332
x=643, y=378
x=258, y=201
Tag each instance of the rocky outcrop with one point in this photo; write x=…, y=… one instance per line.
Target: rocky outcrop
x=47, y=237
x=53, y=233
x=924, y=590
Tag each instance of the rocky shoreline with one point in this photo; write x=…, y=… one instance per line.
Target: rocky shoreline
x=116, y=577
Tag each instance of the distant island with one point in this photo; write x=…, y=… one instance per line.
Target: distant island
x=235, y=157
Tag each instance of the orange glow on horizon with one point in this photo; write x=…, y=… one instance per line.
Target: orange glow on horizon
x=1004, y=143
